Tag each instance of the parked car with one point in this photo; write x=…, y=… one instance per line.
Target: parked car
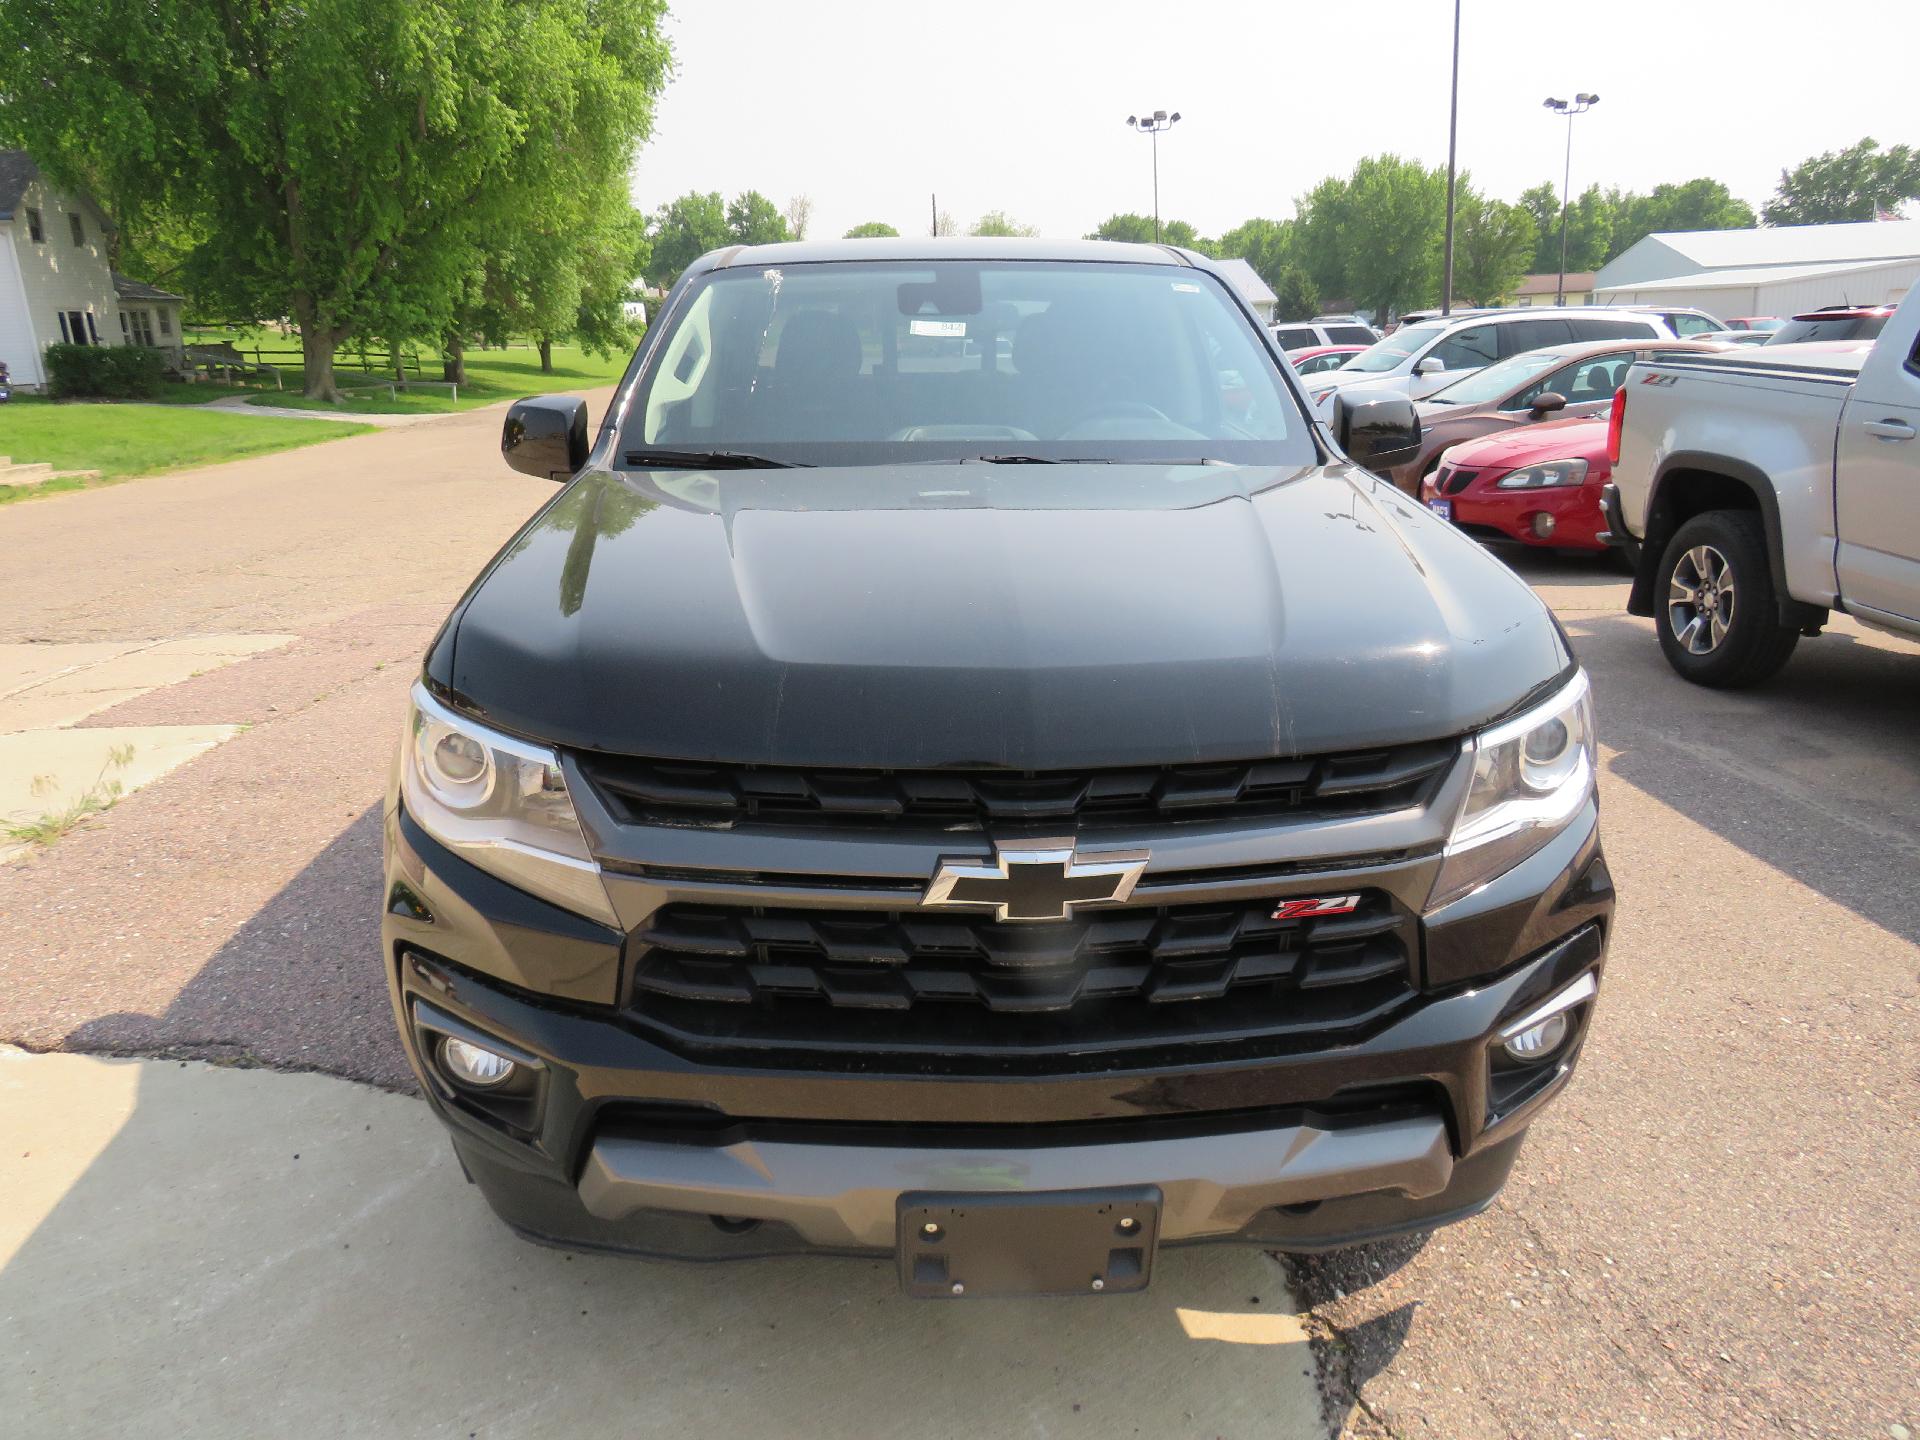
x=1306, y=334
x=1417, y=360
x=1316, y=358
x=1834, y=322
x=1560, y=382
x=1682, y=321
x=1771, y=488
x=1765, y=324
x=1537, y=486
x=1742, y=337
x=935, y=811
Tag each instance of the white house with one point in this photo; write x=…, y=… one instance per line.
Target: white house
x=1255, y=291
x=1773, y=270
x=56, y=282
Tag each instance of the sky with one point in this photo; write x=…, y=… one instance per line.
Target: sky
x=868, y=108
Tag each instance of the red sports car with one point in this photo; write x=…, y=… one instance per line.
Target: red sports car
x=1539, y=485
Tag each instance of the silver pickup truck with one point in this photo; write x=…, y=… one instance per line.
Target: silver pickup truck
x=1767, y=488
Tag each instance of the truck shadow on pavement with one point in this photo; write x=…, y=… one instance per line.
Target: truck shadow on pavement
x=1827, y=750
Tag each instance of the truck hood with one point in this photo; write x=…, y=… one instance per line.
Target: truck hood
x=1034, y=617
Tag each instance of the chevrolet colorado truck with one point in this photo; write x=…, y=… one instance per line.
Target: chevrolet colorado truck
x=1767, y=489
x=966, y=768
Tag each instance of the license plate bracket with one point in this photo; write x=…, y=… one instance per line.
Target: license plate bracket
x=1060, y=1242
x=1442, y=508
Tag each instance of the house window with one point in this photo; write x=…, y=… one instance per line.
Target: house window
x=79, y=230
x=142, y=325
x=166, y=321
x=34, y=232
x=65, y=338
x=125, y=334
x=93, y=335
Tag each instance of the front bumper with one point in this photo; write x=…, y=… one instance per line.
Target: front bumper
x=621, y=1141
x=1506, y=516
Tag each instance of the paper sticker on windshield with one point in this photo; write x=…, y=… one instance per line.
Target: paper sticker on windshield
x=1182, y=287
x=945, y=329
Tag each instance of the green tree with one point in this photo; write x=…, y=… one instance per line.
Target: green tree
x=1857, y=183
x=1267, y=245
x=1179, y=232
x=1135, y=228
x=683, y=231
x=1297, y=298
x=752, y=219
x=1700, y=204
x=342, y=157
x=995, y=222
x=1493, y=245
x=871, y=229
x=1590, y=226
x=1375, y=236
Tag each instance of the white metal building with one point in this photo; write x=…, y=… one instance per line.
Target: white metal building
x=1774, y=270
x=1255, y=291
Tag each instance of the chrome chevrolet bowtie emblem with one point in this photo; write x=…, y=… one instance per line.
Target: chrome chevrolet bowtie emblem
x=1036, y=879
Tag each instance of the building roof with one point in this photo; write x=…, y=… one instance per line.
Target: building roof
x=17, y=171
x=1751, y=275
x=1795, y=244
x=127, y=288
x=1244, y=278
x=1549, y=282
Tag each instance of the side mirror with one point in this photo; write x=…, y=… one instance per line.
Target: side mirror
x=1548, y=401
x=1430, y=365
x=546, y=436
x=1378, y=434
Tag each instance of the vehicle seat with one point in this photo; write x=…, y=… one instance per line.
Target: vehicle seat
x=815, y=389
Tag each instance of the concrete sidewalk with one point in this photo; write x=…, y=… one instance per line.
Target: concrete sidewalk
x=189, y=1250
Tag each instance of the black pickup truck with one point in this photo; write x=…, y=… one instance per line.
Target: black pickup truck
x=966, y=768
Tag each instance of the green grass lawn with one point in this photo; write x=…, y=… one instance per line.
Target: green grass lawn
x=121, y=441
x=492, y=376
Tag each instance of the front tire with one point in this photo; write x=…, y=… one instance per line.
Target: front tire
x=1715, y=607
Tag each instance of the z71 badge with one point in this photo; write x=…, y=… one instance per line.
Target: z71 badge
x=1323, y=905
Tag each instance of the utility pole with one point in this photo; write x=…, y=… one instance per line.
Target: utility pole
x=1453, y=135
x=1152, y=125
x=933, y=204
x=1579, y=105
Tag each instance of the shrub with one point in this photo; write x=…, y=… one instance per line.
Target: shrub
x=110, y=372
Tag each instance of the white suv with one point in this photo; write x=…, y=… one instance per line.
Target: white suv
x=1417, y=360
x=1328, y=330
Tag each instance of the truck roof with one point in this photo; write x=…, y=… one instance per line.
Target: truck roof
x=948, y=247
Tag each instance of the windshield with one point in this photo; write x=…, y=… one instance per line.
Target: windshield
x=865, y=363
x=1494, y=381
x=1389, y=353
x=1840, y=327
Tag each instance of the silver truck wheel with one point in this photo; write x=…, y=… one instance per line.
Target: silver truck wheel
x=1718, y=618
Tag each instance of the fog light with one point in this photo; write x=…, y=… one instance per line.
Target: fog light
x=1542, y=525
x=474, y=1065
x=1537, y=1042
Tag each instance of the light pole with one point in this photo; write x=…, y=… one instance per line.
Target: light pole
x=1453, y=132
x=1152, y=125
x=1579, y=105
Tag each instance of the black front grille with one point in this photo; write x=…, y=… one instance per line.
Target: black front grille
x=641, y=791
x=1455, y=480
x=926, y=983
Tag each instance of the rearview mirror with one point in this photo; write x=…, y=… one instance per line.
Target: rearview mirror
x=1430, y=365
x=1548, y=401
x=546, y=436
x=1378, y=434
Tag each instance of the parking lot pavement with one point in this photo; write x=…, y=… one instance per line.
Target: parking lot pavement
x=232, y=1254
x=1710, y=1235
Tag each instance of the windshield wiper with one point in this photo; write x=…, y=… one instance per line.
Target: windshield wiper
x=1035, y=460
x=710, y=460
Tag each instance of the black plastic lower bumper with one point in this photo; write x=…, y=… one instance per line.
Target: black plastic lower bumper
x=609, y=1139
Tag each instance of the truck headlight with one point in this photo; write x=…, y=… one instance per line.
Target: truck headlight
x=500, y=803
x=1549, y=475
x=1531, y=776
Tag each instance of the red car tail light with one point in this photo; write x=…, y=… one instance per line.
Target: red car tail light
x=1615, y=419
